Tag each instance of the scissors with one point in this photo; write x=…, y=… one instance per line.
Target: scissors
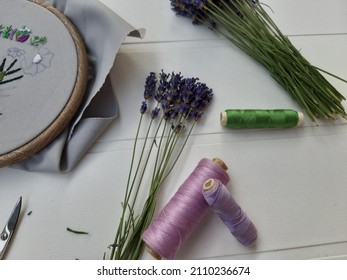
x=6, y=234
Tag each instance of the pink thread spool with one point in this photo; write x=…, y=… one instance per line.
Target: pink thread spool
x=185, y=210
x=223, y=204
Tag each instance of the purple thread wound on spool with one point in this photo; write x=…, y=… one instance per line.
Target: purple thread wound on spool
x=178, y=219
x=223, y=204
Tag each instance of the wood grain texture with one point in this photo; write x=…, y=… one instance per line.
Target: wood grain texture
x=292, y=183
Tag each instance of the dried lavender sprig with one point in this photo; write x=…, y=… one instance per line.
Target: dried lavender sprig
x=246, y=24
x=170, y=93
x=179, y=87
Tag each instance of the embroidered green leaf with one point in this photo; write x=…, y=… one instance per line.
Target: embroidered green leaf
x=7, y=31
x=37, y=40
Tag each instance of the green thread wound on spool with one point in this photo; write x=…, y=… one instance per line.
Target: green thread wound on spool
x=252, y=118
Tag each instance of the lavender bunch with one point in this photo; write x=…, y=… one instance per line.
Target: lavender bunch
x=246, y=24
x=174, y=105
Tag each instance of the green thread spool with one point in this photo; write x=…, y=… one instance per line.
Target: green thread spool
x=253, y=118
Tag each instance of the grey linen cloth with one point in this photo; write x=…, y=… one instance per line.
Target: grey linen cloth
x=103, y=32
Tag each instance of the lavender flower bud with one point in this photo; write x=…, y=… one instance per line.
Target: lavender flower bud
x=178, y=96
x=187, y=96
x=155, y=113
x=197, y=115
x=175, y=113
x=163, y=82
x=167, y=115
x=159, y=96
x=190, y=8
x=195, y=9
x=163, y=87
x=183, y=109
x=195, y=103
x=165, y=106
x=172, y=95
x=173, y=88
x=150, y=86
x=143, y=108
x=202, y=97
x=202, y=105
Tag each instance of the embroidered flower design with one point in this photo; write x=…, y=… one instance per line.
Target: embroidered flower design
x=15, y=52
x=37, y=63
x=22, y=35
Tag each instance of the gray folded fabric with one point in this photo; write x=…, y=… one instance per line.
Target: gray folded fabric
x=103, y=32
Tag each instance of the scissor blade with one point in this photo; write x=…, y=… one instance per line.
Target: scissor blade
x=12, y=222
x=6, y=234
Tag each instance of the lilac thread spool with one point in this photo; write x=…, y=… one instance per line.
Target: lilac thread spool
x=223, y=204
x=185, y=210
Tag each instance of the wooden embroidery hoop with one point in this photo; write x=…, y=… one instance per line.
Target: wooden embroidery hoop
x=72, y=105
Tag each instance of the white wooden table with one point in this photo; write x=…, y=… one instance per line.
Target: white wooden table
x=292, y=183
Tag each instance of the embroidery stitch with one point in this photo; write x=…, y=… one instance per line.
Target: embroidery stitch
x=37, y=40
x=15, y=52
x=8, y=72
x=37, y=58
x=37, y=63
x=21, y=35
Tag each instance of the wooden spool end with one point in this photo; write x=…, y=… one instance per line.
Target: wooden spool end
x=152, y=253
x=209, y=185
x=221, y=163
x=223, y=118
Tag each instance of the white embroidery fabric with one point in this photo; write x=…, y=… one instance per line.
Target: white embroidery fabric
x=96, y=23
